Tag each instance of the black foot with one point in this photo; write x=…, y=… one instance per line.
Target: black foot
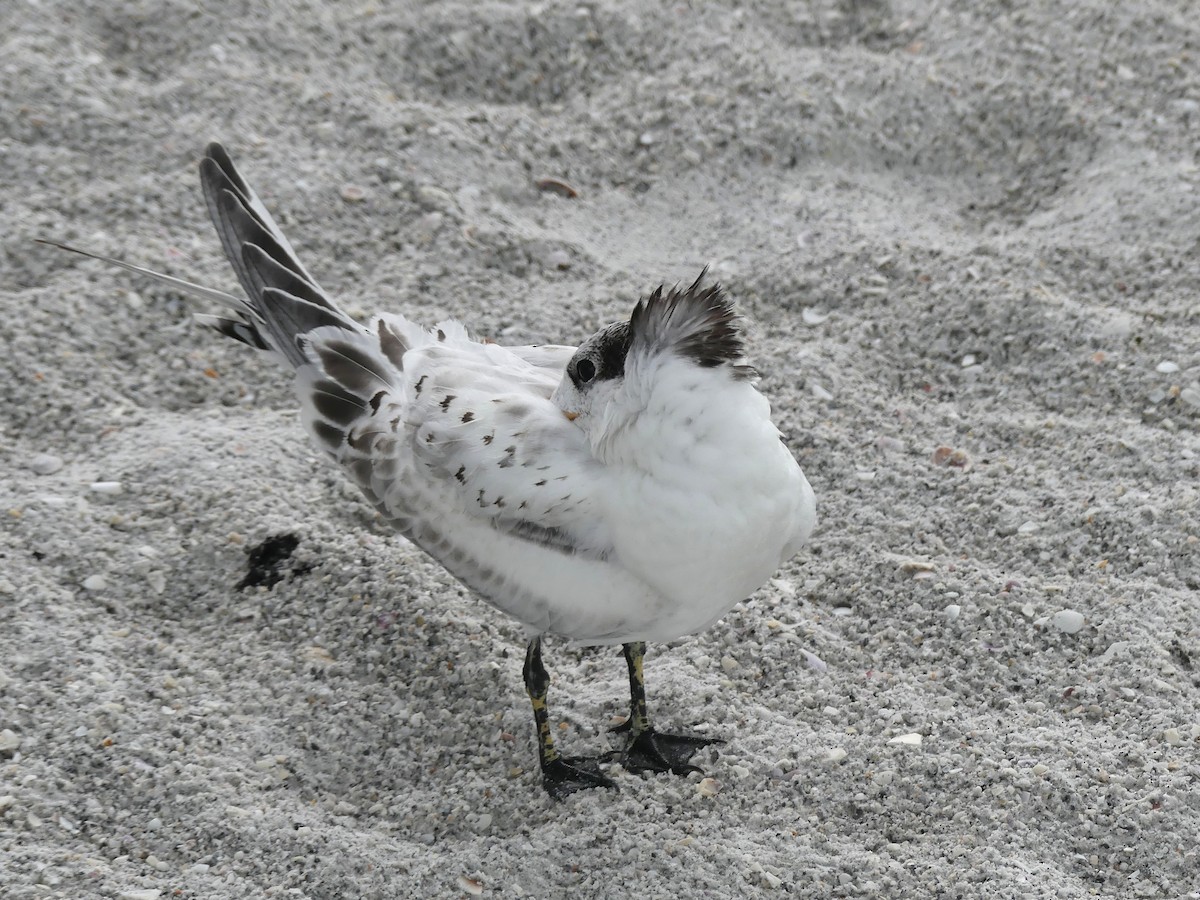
x=654, y=751
x=567, y=775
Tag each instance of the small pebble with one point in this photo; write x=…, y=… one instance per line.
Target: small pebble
x=708, y=787
x=147, y=894
x=814, y=662
x=888, y=444
x=836, y=754
x=819, y=392
x=1067, y=620
x=910, y=740
x=555, y=258
x=909, y=566
x=9, y=741
x=810, y=316
x=318, y=655
x=952, y=611
x=1173, y=737
x=1028, y=527
x=728, y=663
x=1166, y=367
x=106, y=487
x=436, y=198
x=353, y=193
x=557, y=186
x=45, y=464
x=784, y=586
x=95, y=583
x=470, y=886
x=948, y=456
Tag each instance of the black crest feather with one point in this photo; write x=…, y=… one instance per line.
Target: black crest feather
x=696, y=323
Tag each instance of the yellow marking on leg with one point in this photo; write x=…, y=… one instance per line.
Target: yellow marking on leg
x=639, y=719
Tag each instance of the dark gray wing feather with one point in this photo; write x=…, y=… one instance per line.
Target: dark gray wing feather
x=271, y=272
x=284, y=299
x=286, y=317
x=217, y=174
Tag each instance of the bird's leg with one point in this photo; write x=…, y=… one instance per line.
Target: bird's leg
x=639, y=719
x=560, y=775
x=649, y=750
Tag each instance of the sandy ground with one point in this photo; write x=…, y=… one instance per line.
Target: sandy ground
x=967, y=241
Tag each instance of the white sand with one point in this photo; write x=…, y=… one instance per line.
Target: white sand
x=962, y=228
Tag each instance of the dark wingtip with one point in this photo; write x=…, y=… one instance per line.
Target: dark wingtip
x=209, y=167
x=216, y=152
x=218, y=168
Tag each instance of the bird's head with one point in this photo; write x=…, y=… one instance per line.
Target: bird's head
x=612, y=373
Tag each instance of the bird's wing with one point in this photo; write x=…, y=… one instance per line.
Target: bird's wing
x=284, y=301
x=432, y=425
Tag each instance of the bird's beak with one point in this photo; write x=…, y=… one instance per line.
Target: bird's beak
x=571, y=417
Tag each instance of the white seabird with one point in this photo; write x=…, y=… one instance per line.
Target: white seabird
x=632, y=489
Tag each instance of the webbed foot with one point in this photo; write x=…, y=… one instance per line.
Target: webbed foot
x=566, y=775
x=655, y=751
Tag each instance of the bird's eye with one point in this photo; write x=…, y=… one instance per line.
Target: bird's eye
x=585, y=370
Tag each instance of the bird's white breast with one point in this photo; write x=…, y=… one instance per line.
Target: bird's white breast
x=706, y=500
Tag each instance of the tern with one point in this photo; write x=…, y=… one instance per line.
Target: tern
x=630, y=489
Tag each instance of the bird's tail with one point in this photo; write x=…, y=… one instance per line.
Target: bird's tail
x=283, y=301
